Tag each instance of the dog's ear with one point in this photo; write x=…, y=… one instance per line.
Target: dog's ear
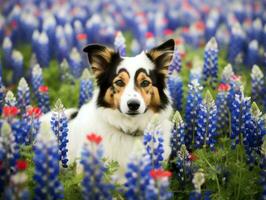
x=162, y=56
x=99, y=57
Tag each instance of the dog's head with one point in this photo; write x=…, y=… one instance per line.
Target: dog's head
x=132, y=85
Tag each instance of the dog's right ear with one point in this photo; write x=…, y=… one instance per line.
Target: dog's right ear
x=99, y=57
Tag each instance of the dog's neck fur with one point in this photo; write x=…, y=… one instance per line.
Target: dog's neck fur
x=133, y=126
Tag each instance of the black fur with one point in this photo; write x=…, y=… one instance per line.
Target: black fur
x=104, y=81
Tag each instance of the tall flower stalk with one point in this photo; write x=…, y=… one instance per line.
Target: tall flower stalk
x=59, y=124
x=177, y=134
x=93, y=183
x=153, y=142
x=23, y=95
x=194, y=98
x=223, y=113
x=257, y=83
x=120, y=44
x=9, y=154
x=175, y=85
x=86, y=88
x=206, y=123
x=176, y=64
x=210, y=67
x=46, y=160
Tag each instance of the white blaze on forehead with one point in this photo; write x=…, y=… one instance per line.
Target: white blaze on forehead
x=132, y=64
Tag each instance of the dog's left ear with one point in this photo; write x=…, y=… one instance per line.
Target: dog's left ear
x=100, y=57
x=162, y=56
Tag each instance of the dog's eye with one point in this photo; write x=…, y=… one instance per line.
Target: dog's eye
x=144, y=83
x=120, y=83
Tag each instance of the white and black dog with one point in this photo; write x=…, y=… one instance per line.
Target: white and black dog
x=130, y=91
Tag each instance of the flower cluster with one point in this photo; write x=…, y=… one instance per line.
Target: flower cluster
x=120, y=44
x=176, y=64
x=86, y=88
x=175, y=86
x=9, y=154
x=46, y=160
x=210, y=67
x=206, y=123
x=177, y=134
x=153, y=142
x=23, y=95
x=59, y=124
x=193, y=100
x=93, y=184
x=257, y=83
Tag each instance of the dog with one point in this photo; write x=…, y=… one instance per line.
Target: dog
x=130, y=91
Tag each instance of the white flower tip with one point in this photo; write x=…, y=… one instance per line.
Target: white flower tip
x=23, y=84
x=59, y=107
x=237, y=30
x=16, y=55
x=256, y=72
x=6, y=129
x=37, y=70
x=75, y=55
x=49, y=21
x=177, y=118
x=263, y=146
x=59, y=31
x=257, y=24
x=7, y=42
x=68, y=29
x=254, y=44
x=86, y=74
x=43, y=38
x=212, y=44
x=35, y=35
x=10, y=98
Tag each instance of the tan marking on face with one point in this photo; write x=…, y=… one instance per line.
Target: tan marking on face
x=114, y=93
x=99, y=59
x=150, y=93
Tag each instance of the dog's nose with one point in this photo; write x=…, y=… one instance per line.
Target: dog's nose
x=133, y=105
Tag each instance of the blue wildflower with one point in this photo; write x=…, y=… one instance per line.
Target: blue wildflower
x=43, y=98
x=257, y=83
x=93, y=183
x=153, y=142
x=17, y=65
x=177, y=134
x=175, y=85
x=193, y=100
x=75, y=63
x=120, y=44
x=183, y=166
x=46, y=160
x=253, y=56
x=2, y=95
x=59, y=124
x=222, y=109
x=23, y=95
x=9, y=153
x=210, y=67
x=206, y=123
x=176, y=64
x=36, y=79
x=86, y=88
x=43, y=51
x=7, y=52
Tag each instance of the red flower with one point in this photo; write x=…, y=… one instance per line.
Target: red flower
x=224, y=87
x=179, y=41
x=10, y=111
x=168, y=32
x=92, y=137
x=82, y=36
x=21, y=165
x=149, y=35
x=43, y=88
x=185, y=29
x=160, y=173
x=14, y=24
x=34, y=112
x=192, y=157
x=200, y=25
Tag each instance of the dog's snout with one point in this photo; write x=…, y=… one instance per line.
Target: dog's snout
x=133, y=105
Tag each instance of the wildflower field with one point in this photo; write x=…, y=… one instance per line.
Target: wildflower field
x=216, y=82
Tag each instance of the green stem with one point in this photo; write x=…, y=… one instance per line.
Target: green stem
x=213, y=168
